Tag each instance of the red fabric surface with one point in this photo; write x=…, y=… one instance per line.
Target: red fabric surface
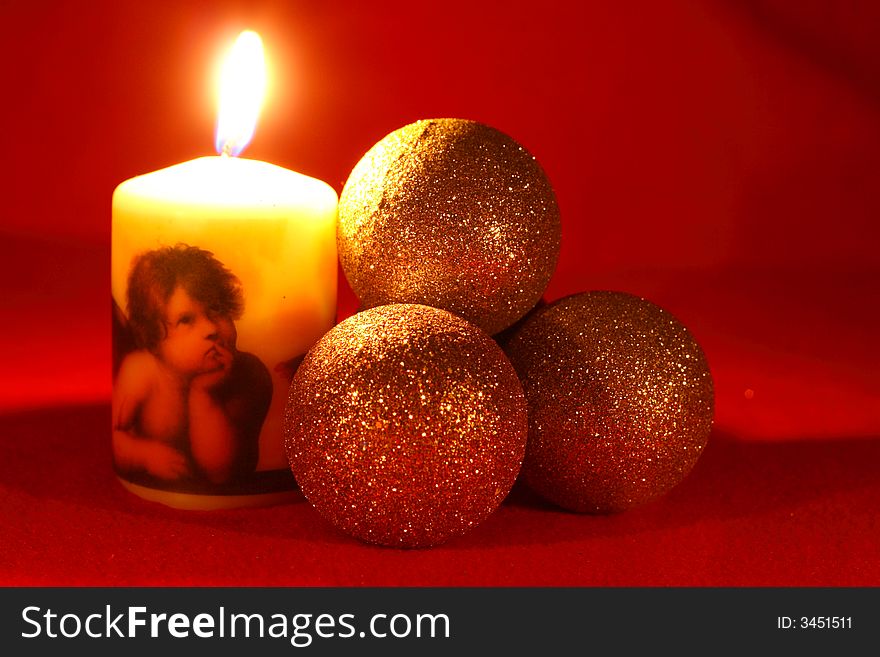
x=718, y=158
x=757, y=513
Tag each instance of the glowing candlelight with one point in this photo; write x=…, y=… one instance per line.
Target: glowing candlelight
x=242, y=90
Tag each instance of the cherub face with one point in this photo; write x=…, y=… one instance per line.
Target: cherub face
x=196, y=340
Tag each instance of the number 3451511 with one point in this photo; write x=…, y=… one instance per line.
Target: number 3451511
x=823, y=622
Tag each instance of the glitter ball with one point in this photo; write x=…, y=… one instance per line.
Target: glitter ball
x=620, y=400
x=452, y=214
x=405, y=425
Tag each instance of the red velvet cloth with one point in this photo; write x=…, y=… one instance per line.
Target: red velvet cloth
x=751, y=513
x=718, y=158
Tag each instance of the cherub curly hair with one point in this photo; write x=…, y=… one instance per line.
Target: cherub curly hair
x=156, y=274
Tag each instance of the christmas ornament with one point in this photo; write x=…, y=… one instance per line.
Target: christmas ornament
x=405, y=425
x=452, y=214
x=620, y=400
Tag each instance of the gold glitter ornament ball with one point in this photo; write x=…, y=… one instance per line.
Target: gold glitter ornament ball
x=405, y=425
x=453, y=214
x=620, y=400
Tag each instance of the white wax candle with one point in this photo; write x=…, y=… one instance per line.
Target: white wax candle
x=274, y=230
x=223, y=275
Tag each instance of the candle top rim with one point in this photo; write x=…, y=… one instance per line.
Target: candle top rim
x=227, y=182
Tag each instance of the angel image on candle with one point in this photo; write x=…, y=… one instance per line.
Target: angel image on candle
x=188, y=406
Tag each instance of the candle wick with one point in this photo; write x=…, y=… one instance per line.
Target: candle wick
x=227, y=148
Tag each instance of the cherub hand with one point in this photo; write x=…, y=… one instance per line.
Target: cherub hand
x=222, y=357
x=163, y=461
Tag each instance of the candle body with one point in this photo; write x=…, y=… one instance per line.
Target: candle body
x=223, y=274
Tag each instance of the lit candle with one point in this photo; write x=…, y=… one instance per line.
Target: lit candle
x=223, y=274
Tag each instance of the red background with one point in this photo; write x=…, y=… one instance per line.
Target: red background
x=720, y=158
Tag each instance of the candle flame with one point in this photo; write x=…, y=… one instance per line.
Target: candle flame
x=242, y=87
